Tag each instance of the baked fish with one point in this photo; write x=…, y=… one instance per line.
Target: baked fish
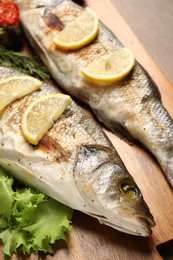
x=131, y=107
x=74, y=163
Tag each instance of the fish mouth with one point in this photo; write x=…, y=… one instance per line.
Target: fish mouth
x=139, y=226
x=134, y=225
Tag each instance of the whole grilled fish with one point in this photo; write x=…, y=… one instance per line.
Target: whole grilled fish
x=74, y=163
x=132, y=106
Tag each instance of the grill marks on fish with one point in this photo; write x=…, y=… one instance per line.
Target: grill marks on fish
x=49, y=145
x=67, y=14
x=57, y=20
x=53, y=21
x=90, y=53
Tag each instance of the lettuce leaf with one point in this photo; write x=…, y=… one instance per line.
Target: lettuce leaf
x=30, y=220
x=6, y=195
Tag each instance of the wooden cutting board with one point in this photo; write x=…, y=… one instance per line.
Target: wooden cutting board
x=91, y=240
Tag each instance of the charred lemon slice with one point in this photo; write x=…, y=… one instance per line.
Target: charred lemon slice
x=13, y=88
x=40, y=115
x=79, y=32
x=110, y=68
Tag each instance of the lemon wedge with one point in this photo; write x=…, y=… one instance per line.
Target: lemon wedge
x=13, y=88
x=40, y=115
x=110, y=68
x=79, y=32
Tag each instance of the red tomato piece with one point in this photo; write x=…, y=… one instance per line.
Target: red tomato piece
x=9, y=13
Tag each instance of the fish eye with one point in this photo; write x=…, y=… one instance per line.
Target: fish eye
x=130, y=189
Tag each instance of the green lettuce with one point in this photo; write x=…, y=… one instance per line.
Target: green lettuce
x=30, y=220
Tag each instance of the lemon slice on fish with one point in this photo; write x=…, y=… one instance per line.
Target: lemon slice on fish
x=40, y=115
x=110, y=68
x=13, y=88
x=79, y=32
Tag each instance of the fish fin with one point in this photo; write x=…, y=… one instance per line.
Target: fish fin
x=117, y=128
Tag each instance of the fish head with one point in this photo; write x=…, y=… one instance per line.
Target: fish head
x=110, y=193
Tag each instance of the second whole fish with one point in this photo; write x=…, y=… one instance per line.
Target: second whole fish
x=131, y=107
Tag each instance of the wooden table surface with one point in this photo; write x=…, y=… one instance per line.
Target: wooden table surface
x=90, y=240
x=152, y=22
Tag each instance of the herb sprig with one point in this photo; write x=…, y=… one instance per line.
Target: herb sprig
x=23, y=63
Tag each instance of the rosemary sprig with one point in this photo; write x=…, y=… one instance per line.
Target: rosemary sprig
x=23, y=63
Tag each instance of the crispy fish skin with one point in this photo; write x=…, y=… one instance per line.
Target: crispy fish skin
x=75, y=163
x=132, y=106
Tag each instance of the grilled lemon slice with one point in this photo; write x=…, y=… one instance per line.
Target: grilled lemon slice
x=13, y=88
x=110, y=68
x=40, y=115
x=79, y=32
